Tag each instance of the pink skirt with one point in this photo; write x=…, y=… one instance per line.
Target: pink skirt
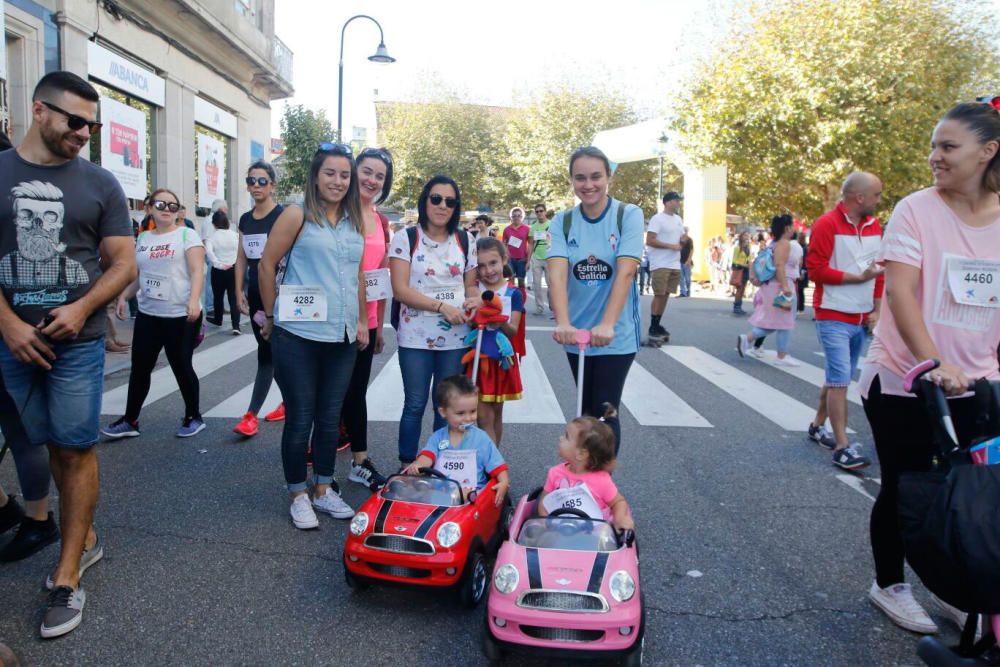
x=768, y=316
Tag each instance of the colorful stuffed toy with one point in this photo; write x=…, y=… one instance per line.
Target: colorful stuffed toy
x=495, y=344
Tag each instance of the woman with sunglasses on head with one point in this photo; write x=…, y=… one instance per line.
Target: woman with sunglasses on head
x=254, y=228
x=317, y=322
x=221, y=250
x=941, y=253
x=170, y=258
x=592, y=262
x=433, y=269
x=375, y=184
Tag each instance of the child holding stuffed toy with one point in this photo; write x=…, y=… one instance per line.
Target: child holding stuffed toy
x=497, y=322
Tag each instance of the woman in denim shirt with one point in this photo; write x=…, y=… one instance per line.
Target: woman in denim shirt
x=314, y=321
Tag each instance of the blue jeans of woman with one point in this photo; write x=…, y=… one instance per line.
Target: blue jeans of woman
x=419, y=367
x=313, y=377
x=782, y=337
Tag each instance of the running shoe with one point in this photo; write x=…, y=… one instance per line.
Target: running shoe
x=757, y=352
x=276, y=415
x=31, y=537
x=366, y=475
x=331, y=503
x=63, y=611
x=957, y=616
x=248, y=426
x=821, y=435
x=742, y=345
x=89, y=557
x=190, y=427
x=850, y=458
x=303, y=515
x=237, y=332
x=658, y=330
x=121, y=429
x=787, y=362
x=11, y=515
x=899, y=605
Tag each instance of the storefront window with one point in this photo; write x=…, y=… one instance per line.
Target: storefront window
x=150, y=112
x=211, y=179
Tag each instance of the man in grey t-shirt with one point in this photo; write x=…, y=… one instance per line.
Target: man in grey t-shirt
x=66, y=250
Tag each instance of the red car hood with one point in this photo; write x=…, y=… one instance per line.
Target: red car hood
x=410, y=519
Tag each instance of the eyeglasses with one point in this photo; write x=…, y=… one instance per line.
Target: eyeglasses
x=436, y=199
x=379, y=153
x=260, y=180
x=161, y=205
x=75, y=122
x=337, y=149
x=517, y=214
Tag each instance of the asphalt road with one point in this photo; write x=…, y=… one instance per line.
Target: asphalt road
x=754, y=550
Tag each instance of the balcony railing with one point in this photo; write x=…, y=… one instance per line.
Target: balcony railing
x=282, y=57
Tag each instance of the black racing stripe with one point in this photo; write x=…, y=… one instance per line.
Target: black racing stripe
x=430, y=521
x=597, y=574
x=534, y=569
x=383, y=514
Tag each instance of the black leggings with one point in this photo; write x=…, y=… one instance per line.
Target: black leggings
x=355, y=411
x=175, y=335
x=902, y=434
x=265, y=369
x=224, y=283
x=603, y=381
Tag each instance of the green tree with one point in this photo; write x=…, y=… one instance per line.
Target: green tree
x=450, y=137
x=540, y=138
x=302, y=130
x=805, y=91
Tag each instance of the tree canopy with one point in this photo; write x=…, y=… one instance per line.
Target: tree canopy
x=302, y=130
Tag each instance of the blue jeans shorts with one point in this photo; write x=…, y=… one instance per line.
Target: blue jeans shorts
x=842, y=344
x=61, y=407
x=519, y=267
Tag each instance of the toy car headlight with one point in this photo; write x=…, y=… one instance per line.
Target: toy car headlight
x=505, y=578
x=622, y=586
x=449, y=534
x=359, y=524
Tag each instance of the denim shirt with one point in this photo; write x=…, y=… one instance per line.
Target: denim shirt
x=328, y=258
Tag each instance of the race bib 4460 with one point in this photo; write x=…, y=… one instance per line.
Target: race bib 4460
x=975, y=282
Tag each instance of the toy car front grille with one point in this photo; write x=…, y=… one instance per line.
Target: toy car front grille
x=399, y=571
x=562, y=601
x=399, y=544
x=562, y=634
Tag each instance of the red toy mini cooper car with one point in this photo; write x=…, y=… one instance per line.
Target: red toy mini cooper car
x=420, y=530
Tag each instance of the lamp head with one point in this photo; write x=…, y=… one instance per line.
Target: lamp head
x=382, y=55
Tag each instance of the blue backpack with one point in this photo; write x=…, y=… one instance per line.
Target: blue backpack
x=762, y=269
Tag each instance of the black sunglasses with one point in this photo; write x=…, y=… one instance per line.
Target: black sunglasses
x=379, y=153
x=336, y=149
x=75, y=122
x=161, y=205
x=436, y=199
x=260, y=180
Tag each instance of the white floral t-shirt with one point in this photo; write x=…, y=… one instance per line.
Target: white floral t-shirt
x=438, y=271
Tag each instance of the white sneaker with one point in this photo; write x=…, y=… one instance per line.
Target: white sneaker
x=303, y=515
x=902, y=609
x=742, y=345
x=957, y=615
x=331, y=503
x=757, y=352
x=787, y=361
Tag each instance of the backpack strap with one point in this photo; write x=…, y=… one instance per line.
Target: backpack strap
x=411, y=236
x=384, y=219
x=463, y=241
x=567, y=220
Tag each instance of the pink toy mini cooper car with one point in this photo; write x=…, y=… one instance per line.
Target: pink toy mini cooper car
x=565, y=585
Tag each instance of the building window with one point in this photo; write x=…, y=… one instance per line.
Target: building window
x=217, y=168
x=150, y=112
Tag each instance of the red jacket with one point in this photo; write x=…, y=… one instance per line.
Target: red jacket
x=836, y=247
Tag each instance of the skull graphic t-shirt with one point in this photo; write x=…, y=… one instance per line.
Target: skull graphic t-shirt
x=52, y=220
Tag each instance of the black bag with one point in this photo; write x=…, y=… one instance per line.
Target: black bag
x=950, y=517
x=411, y=234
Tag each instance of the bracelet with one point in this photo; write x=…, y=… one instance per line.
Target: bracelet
x=270, y=317
x=438, y=309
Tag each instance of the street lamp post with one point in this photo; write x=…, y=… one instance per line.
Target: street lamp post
x=381, y=56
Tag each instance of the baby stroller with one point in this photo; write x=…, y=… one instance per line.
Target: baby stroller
x=950, y=521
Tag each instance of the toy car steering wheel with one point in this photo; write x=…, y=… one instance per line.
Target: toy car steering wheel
x=432, y=472
x=569, y=529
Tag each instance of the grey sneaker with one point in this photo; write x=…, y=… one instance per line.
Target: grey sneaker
x=850, y=458
x=821, y=435
x=89, y=557
x=366, y=475
x=191, y=426
x=63, y=611
x=121, y=429
x=331, y=503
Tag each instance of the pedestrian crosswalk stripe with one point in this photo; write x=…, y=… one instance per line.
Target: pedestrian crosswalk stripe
x=652, y=403
x=236, y=405
x=811, y=374
x=538, y=404
x=385, y=394
x=162, y=382
x=776, y=406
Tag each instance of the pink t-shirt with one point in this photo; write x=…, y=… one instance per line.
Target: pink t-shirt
x=375, y=251
x=924, y=232
x=521, y=233
x=601, y=486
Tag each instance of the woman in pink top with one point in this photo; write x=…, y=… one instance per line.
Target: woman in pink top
x=769, y=317
x=375, y=179
x=941, y=252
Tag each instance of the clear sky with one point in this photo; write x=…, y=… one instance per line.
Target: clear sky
x=491, y=52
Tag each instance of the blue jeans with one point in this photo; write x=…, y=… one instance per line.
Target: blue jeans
x=313, y=377
x=418, y=366
x=62, y=406
x=685, y=280
x=842, y=344
x=782, y=337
